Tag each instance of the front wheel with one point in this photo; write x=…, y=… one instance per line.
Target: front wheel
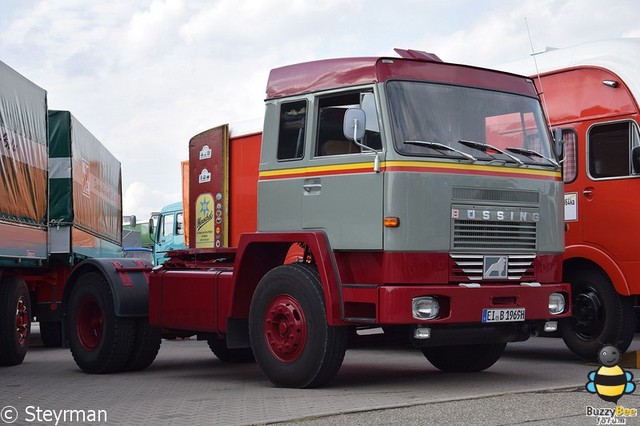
x=464, y=358
x=600, y=317
x=99, y=341
x=290, y=337
x=15, y=321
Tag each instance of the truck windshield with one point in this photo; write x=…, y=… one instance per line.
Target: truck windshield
x=497, y=127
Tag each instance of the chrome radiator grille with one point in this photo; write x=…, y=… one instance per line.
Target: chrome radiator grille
x=493, y=235
x=469, y=266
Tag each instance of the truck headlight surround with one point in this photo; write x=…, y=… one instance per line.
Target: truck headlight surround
x=557, y=303
x=425, y=308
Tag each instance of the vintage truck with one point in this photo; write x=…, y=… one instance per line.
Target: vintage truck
x=592, y=95
x=405, y=193
x=166, y=229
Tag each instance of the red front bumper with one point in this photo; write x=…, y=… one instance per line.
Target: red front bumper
x=458, y=304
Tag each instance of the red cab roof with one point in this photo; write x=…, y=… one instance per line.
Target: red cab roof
x=328, y=74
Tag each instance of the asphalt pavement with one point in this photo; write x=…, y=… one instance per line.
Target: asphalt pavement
x=537, y=382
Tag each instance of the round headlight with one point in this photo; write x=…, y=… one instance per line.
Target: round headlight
x=425, y=308
x=557, y=303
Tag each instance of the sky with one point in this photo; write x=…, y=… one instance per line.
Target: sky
x=144, y=76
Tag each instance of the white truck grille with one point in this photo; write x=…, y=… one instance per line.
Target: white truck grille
x=469, y=266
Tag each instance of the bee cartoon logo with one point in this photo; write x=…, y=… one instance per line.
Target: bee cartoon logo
x=610, y=381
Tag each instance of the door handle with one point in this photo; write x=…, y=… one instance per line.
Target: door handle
x=588, y=191
x=312, y=187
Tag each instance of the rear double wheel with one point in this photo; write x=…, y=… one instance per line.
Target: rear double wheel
x=146, y=346
x=292, y=342
x=15, y=321
x=100, y=342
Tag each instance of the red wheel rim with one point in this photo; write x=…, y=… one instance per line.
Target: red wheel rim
x=285, y=328
x=89, y=323
x=22, y=321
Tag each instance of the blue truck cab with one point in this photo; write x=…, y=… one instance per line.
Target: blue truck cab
x=167, y=229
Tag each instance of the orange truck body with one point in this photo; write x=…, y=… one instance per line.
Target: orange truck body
x=591, y=93
x=241, y=191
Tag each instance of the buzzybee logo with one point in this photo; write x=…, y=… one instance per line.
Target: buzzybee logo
x=610, y=381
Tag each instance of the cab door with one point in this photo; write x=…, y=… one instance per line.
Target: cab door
x=341, y=192
x=608, y=199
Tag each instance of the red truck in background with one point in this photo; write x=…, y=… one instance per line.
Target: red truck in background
x=591, y=92
x=397, y=192
x=60, y=203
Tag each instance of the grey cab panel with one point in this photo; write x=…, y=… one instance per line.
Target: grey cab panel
x=325, y=179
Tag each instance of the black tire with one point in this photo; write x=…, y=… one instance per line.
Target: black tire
x=51, y=333
x=15, y=321
x=600, y=317
x=145, y=347
x=291, y=340
x=220, y=350
x=464, y=358
x=99, y=341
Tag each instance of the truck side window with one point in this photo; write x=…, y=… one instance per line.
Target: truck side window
x=179, y=224
x=167, y=226
x=331, y=140
x=570, y=165
x=610, y=150
x=291, y=130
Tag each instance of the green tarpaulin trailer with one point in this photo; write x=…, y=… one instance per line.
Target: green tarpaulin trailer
x=60, y=205
x=85, y=206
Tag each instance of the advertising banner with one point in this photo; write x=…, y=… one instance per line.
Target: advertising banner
x=209, y=188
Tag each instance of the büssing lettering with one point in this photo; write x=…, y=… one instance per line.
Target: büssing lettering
x=498, y=215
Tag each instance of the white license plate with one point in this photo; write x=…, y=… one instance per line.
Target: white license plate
x=503, y=315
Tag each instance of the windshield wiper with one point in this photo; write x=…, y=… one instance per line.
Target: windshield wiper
x=441, y=146
x=485, y=146
x=532, y=153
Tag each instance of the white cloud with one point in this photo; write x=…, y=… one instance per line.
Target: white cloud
x=143, y=199
x=150, y=33
x=632, y=32
x=146, y=76
x=500, y=34
x=263, y=22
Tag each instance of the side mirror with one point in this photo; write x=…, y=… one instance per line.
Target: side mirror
x=354, y=124
x=635, y=159
x=354, y=127
x=151, y=227
x=129, y=220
